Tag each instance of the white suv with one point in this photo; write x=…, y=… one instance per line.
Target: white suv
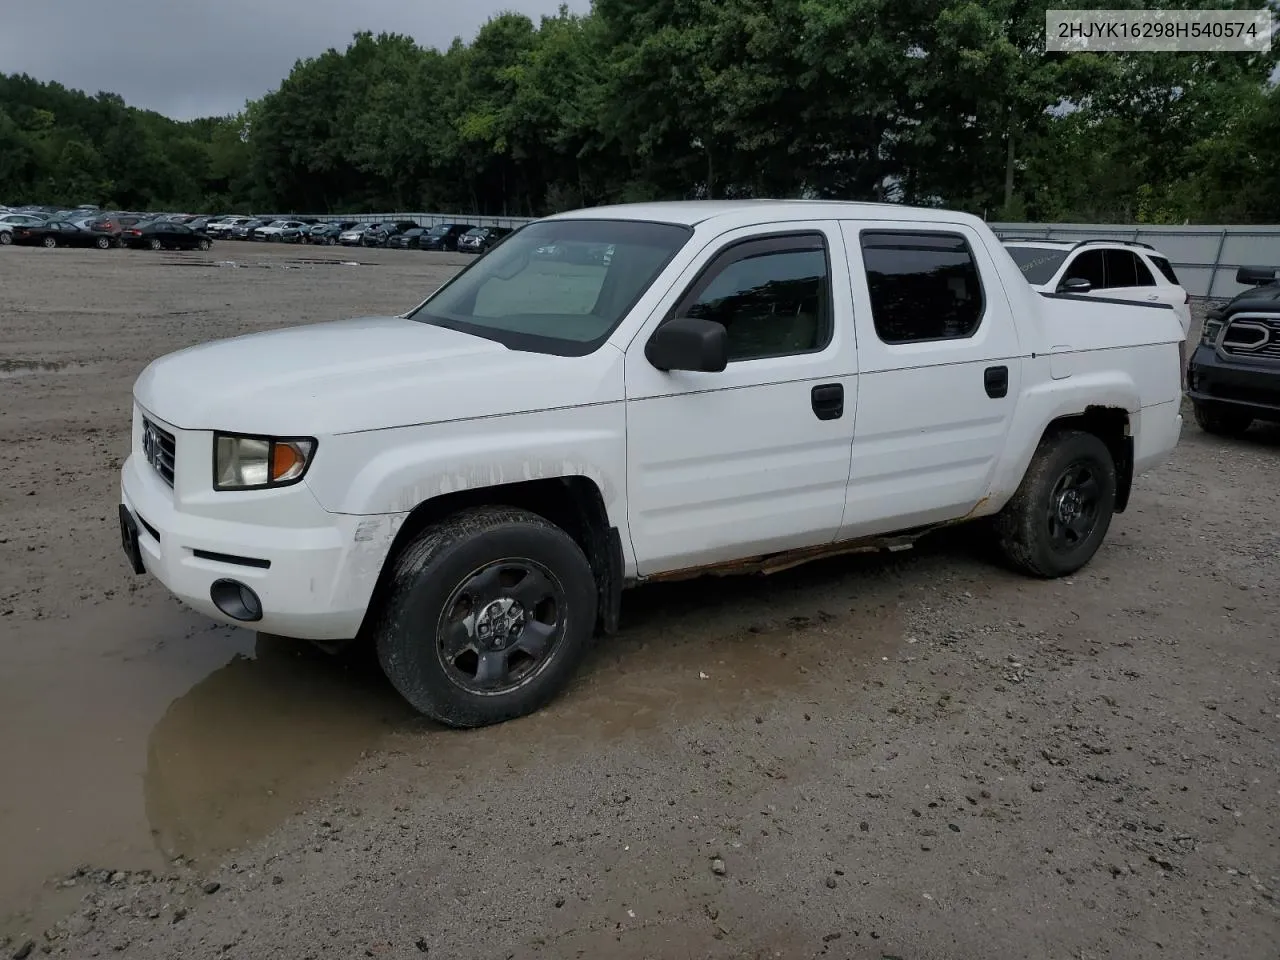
x=1116, y=269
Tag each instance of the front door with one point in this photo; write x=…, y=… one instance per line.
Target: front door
x=939, y=374
x=753, y=459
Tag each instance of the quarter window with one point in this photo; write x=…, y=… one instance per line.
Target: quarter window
x=772, y=295
x=1165, y=267
x=923, y=286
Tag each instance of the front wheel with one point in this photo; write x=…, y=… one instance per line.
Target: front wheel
x=1061, y=511
x=6, y=238
x=1221, y=421
x=488, y=616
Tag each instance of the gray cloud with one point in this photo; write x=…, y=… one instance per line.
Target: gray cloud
x=187, y=58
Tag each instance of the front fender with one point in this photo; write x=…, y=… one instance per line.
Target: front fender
x=381, y=472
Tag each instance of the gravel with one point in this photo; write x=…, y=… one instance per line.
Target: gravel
x=1090, y=762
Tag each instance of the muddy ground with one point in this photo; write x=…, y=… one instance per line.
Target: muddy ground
x=920, y=756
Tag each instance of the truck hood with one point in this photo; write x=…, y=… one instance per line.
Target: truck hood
x=363, y=374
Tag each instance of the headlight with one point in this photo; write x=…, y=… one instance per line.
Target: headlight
x=255, y=463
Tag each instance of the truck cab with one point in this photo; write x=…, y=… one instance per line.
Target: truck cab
x=739, y=386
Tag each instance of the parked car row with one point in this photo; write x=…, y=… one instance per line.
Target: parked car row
x=121, y=227
x=396, y=235
x=90, y=227
x=152, y=235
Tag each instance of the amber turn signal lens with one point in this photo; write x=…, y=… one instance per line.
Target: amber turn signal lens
x=285, y=460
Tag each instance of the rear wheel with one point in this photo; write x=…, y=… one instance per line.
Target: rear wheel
x=1061, y=511
x=102, y=243
x=155, y=244
x=489, y=614
x=50, y=242
x=1221, y=421
x=204, y=244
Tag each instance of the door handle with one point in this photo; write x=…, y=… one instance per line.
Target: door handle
x=828, y=400
x=996, y=380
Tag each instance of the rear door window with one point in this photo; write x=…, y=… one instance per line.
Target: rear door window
x=1124, y=269
x=923, y=285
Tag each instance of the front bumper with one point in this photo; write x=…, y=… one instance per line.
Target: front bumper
x=1247, y=385
x=314, y=577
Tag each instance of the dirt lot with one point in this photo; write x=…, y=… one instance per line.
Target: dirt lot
x=916, y=757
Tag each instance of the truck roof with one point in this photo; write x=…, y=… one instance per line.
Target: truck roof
x=690, y=213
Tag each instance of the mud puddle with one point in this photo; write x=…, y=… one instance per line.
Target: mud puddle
x=689, y=651
x=172, y=736
x=135, y=734
x=11, y=367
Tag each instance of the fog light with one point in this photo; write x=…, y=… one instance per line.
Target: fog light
x=236, y=600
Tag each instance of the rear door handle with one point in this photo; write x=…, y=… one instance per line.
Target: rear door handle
x=828, y=400
x=996, y=380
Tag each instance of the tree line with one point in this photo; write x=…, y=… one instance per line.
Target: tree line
x=940, y=102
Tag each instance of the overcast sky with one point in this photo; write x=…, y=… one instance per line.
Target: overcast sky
x=193, y=58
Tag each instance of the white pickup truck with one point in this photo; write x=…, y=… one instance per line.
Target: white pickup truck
x=628, y=393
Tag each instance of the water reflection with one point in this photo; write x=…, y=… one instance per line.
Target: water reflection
x=259, y=738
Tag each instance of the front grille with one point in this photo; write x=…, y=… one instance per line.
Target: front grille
x=1253, y=337
x=159, y=448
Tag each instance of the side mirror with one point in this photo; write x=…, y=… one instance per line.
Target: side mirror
x=689, y=343
x=1075, y=285
x=1256, y=276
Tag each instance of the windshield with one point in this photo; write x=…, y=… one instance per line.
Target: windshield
x=556, y=286
x=1037, y=264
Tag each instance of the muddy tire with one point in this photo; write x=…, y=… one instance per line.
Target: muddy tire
x=1061, y=511
x=1221, y=421
x=489, y=614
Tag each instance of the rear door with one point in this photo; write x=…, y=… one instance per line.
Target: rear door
x=939, y=373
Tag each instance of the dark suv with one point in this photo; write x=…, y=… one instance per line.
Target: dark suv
x=1233, y=378
x=443, y=236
